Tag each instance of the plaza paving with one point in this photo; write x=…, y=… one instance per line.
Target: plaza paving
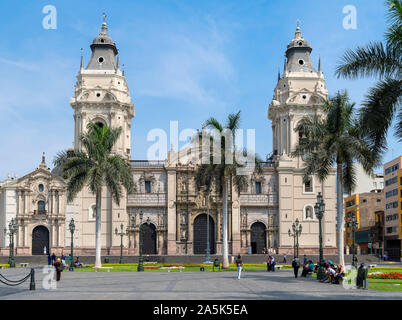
x=182, y=286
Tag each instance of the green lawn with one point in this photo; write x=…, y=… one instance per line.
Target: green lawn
x=385, y=285
x=196, y=267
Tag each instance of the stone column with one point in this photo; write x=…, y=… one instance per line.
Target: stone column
x=235, y=222
x=172, y=217
x=24, y=203
x=17, y=201
x=218, y=223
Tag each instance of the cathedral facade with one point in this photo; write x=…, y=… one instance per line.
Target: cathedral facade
x=177, y=215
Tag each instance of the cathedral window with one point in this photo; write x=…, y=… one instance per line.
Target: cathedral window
x=92, y=212
x=301, y=62
x=308, y=185
x=258, y=187
x=148, y=186
x=101, y=59
x=41, y=188
x=41, y=207
x=308, y=212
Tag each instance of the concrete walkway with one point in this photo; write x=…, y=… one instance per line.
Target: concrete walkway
x=182, y=286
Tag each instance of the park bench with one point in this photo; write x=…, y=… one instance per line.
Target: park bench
x=150, y=262
x=278, y=267
x=170, y=268
x=108, y=268
x=24, y=265
x=1, y=267
x=372, y=266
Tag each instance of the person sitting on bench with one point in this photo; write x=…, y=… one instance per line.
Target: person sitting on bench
x=308, y=268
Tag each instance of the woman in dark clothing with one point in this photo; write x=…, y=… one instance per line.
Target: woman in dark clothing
x=296, y=266
x=59, y=269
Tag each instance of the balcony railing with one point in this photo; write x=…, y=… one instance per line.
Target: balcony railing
x=259, y=199
x=147, y=163
x=40, y=212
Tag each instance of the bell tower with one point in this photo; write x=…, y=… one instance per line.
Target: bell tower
x=299, y=92
x=101, y=93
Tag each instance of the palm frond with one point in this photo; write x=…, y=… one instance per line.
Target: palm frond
x=371, y=60
x=378, y=111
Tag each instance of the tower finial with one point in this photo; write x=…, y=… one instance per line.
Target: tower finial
x=104, y=17
x=123, y=69
x=82, y=58
x=319, y=64
x=285, y=66
x=118, y=63
x=298, y=34
x=43, y=163
x=279, y=74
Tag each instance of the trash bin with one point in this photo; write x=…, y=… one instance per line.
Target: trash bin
x=361, y=279
x=216, y=265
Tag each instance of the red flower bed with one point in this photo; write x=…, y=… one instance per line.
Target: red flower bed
x=151, y=267
x=390, y=276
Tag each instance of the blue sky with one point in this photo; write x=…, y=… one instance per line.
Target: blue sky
x=184, y=60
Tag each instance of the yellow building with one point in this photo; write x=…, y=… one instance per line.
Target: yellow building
x=351, y=208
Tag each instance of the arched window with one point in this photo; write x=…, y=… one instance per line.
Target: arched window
x=41, y=207
x=92, y=212
x=308, y=212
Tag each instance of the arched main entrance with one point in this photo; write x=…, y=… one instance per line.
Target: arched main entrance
x=148, y=234
x=258, y=238
x=200, y=234
x=40, y=240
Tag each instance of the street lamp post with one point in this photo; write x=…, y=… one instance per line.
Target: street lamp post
x=71, y=226
x=121, y=234
x=353, y=224
x=140, y=260
x=319, y=210
x=13, y=229
x=297, y=229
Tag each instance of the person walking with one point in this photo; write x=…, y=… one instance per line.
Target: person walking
x=284, y=258
x=63, y=260
x=269, y=263
x=273, y=263
x=53, y=258
x=49, y=259
x=296, y=266
x=239, y=264
x=59, y=269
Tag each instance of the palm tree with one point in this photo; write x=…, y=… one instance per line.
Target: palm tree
x=225, y=172
x=383, y=102
x=94, y=167
x=334, y=140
